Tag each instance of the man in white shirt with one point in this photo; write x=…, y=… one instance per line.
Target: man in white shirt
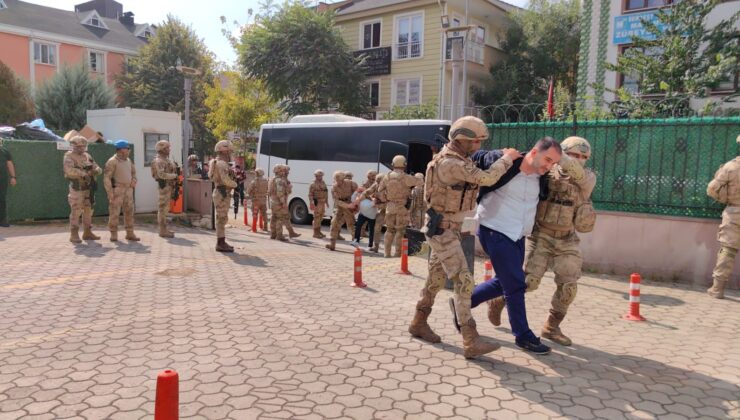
x=506, y=213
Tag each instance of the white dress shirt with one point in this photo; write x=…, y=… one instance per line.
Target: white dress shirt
x=511, y=209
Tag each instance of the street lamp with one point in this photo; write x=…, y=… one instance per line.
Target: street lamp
x=187, y=129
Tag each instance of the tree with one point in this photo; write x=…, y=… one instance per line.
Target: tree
x=62, y=102
x=17, y=105
x=541, y=43
x=686, y=58
x=239, y=105
x=151, y=80
x=303, y=61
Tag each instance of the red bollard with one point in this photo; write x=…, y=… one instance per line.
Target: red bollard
x=634, y=313
x=254, y=221
x=405, y=257
x=166, y=405
x=487, y=271
x=358, y=269
x=246, y=214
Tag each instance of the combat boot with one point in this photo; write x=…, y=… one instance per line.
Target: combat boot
x=222, y=246
x=273, y=235
x=419, y=327
x=717, y=290
x=88, y=235
x=495, y=307
x=317, y=233
x=280, y=237
x=340, y=237
x=74, y=235
x=387, y=244
x=293, y=234
x=114, y=236
x=130, y=236
x=164, y=233
x=552, y=331
x=473, y=344
x=331, y=245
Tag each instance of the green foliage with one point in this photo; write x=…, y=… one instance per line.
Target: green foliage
x=151, y=81
x=239, y=105
x=540, y=43
x=424, y=111
x=16, y=105
x=62, y=102
x=303, y=61
x=686, y=60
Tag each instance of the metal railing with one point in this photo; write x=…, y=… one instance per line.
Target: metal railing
x=407, y=50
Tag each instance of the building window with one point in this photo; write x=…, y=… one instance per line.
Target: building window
x=409, y=36
x=727, y=85
x=45, y=53
x=95, y=20
x=408, y=92
x=97, y=62
x=374, y=93
x=370, y=35
x=631, y=82
x=630, y=5
x=150, y=140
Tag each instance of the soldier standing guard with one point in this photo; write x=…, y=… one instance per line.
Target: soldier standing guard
x=418, y=207
x=554, y=242
x=165, y=172
x=119, y=181
x=318, y=195
x=725, y=188
x=451, y=185
x=80, y=169
x=341, y=194
x=288, y=190
x=279, y=201
x=397, y=186
x=257, y=192
x=221, y=175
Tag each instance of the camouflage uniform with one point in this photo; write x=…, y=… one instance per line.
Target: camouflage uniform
x=288, y=191
x=725, y=188
x=225, y=180
x=397, y=187
x=554, y=242
x=341, y=194
x=257, y=192
x=164, y=171
x=80, y=169
x=318, y=195
x=379, y=199
x=119, y=180
x=279, y=192
x=418, y=207
x=451, y=185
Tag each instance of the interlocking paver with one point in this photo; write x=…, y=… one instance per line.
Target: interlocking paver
x=274, y=331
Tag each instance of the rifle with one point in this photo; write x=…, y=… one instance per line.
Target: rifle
x=92, y=183
x=176, y=190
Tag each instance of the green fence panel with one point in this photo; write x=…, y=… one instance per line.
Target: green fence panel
x=655, y=166
x=42, y=191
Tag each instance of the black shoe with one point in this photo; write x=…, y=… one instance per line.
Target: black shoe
x=454, y=315
x=4, y=225
x=533, y=346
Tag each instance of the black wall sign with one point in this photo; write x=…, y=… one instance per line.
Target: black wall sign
x=378, y=61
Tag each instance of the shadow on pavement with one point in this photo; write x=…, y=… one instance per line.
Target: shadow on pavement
x=135, y=247
x=248, y=260
x=91, y=249
x=180, y=241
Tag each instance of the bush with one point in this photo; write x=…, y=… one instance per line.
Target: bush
x=16, y=105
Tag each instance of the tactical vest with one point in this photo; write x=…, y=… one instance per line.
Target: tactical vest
x=169, y=167
x=443, y=197
x=260, y=188
x=396, y=189
x=320, y=192
x=80, y=162
x=564, y=209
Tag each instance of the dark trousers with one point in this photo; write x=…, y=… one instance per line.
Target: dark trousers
x=238, y=197
x=361, y=220
x=507, y=258
x=3, y=200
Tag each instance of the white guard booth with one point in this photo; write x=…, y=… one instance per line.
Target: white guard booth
x=142, y=128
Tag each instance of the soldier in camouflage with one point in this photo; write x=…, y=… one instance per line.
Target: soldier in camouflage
x=257, y=192
x=221, y=174
x=165, y=172
x=288, y=191
x=418, y=207
x=341, y=194
x=119, y=180
x=318, y=195
x=397, y=187
x=725, y=188
x=80, y=169
x=554, y=243
x=279, y=191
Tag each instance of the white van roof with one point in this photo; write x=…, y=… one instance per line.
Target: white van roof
x=316, y=118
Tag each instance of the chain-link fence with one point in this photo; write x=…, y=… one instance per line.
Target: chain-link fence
x=656, y=166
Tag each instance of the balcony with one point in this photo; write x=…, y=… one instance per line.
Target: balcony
x=404, y=50
x=475, y=49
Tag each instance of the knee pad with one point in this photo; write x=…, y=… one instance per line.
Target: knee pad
x=566, y=293
x=533, y=282
x=437, y=280
x=466, y=282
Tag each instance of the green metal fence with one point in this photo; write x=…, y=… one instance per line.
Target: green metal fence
x=656, y=166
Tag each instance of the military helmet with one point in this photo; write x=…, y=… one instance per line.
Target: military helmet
x=277, y=169
x=193, y=157
x=223, y=146
x=121, y=144
x=371, y=173
x=161, y=145
x=318, y=172
x=338, y=175
x=379, y=177
x=348, y=174
x=468, y=128
x=78, y=141
x=259, y=172
x=399, y=161
x=419, y=175
x=576, y=144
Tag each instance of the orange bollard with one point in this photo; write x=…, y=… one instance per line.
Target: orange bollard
x=166, y=405
x=634, y=313
x=358, y=269
x=405, y=257
x=254, y=221
x=246, y=213
x=487, y=271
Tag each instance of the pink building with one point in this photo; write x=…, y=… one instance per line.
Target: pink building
x=35, y=41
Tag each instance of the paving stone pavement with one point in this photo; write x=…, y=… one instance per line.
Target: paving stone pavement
x=276, y=331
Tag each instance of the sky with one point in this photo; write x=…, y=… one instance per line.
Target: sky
x=202, y=15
